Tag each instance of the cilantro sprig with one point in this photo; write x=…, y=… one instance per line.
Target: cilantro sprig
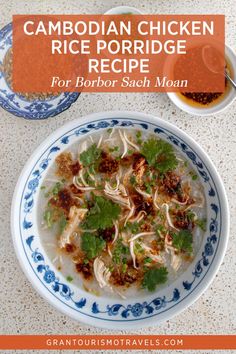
x=90, y=156
x=92, y=245
x=159, y=154
x=102, y=214
x=154, y=277
x=183, y=241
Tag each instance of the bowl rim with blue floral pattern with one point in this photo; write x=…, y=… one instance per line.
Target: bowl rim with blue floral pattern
x=18, y=105
x=105, y=312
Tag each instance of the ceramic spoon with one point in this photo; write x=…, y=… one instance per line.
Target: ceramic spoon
x=215, y=62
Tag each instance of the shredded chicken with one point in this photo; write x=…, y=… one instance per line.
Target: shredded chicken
x=77, y=185
x=131, y=143
x=131, y=248
x=82, y=178
x=130, y=214
x=126, y=177
x=102, y=273
x=139, y=169
x=155, y=200
x=100, y=141
x=149, y=252
x=112, y=190
x=175, y=261
x=139, y=217
x=76, y=215
x=141, y=234
x=83, y=147
x=178, y=202
x=116, y=232
x=144, y=194
x=109, y=251
x=124, y=143
x=168, y=218
x=118, y=194
x=91, y=176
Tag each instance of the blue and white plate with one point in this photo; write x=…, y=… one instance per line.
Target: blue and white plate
x=20, y=106
x=103, y=311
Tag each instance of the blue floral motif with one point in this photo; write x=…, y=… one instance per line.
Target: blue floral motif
x=211, y=192
x=29, y=241
x=49, y=276
x=27, y=224
x=114, y=309
x=209, y=249
x=36, y=107
x=37, y=256
x=103, y=124
x=95, y=308
x=65, y=140
x=28, y=205
x=136, y=310
x=81, y=303
x=33, y=184
x=159, y=302
x=54, y=149
x=44, y=164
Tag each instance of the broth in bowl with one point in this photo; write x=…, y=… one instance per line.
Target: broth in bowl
x=122, y=212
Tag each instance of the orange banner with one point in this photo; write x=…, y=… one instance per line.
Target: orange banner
x=121, y=342
x=121, y=53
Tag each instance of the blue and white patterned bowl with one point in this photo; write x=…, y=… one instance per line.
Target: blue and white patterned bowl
x=146, y=310
x=19, y=105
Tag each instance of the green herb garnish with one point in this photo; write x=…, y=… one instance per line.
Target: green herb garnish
x=139, y=136
x=138, y=248
x=69, y=279
x=154, y=277
x=147, y=260
x=124, y=268
x=62, y=223
x=56, y=189
x=102, y=214
x=201, y=223
x=133, y=227
x=190, y=215
x=148, y=187
x=90, y=156
x=119, y=251
x=114, y=149
x=48, y=218
x=159, y=154
x=92, y=245
x=160, y=229
x=183, y=241
x=133, y=180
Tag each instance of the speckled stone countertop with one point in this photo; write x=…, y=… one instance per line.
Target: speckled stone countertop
x=22, y=310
